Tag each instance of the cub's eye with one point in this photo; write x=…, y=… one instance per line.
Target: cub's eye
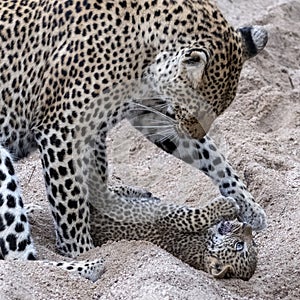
x=239, y=246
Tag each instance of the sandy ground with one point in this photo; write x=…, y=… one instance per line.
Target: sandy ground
x=259, y=134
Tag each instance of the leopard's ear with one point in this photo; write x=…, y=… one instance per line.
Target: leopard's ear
x=194, y=61
x=217, y=269
x=254, y=40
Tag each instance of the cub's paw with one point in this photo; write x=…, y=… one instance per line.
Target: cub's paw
x=223, y=208
x=253, y=214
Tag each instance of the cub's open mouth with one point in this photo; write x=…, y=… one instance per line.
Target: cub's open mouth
x=225, y=227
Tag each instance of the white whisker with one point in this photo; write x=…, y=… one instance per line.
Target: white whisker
x=149, y=119
x=169, y=135
x=151, y=109
x=153, y=126
x=161, y=133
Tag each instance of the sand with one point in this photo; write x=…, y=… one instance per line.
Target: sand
x=260, y=136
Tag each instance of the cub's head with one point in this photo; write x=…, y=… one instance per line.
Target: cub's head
x=231, y=251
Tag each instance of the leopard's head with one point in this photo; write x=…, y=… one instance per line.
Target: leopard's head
x=199, y=74
x=231, y=251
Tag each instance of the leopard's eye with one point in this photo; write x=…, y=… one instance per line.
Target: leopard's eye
x=239, y=246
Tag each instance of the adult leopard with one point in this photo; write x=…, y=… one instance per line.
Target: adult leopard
x=70, y=70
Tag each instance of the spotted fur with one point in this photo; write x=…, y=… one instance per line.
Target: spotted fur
x=224, y=249
x=70, y=70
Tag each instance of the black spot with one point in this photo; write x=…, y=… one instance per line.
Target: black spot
x=68, y=14
x=11, y=201
x=75, y=191
x=123, y=4
x=72, y=204
x=53, y=173
x=73, y=233
x=51, y=155
x=226, y=185
x=2, y=176
x=9, y=166
x=55, y=141
x=22, y=245
x=10, y=218
x=12, y=185
x=19, y=227
x=62, y=209
x=12, y=242
x=71, y=218
x=228, y=172
x=51, y=200
x=109, y=6
x=31, y=257
x=2, y=226
x=62, y=171
x=221, y=174
x=205, y=170
x=64, y=228
x=68, y=183
x=167, y=145
x=205, y=154
x=23, y=218
x=78, y=7
x=62, y=192
x=4, y=251
x=217, y=161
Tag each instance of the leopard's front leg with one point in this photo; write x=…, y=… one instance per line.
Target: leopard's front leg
x=214, y=164
x=64, y=168
x=15, y=238
x=204, y=155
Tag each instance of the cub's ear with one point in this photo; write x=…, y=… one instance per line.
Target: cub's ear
x=217, y=269
x=195, y=60
x=254, y=40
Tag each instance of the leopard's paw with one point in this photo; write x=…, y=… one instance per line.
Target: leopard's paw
x=253, y=214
